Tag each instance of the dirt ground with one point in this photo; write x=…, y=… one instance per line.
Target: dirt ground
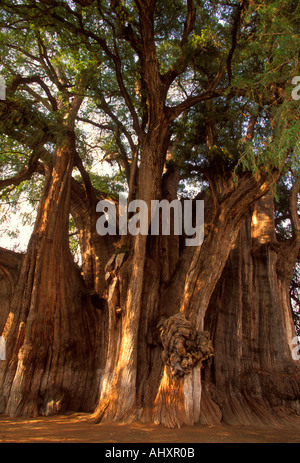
x=75, y=428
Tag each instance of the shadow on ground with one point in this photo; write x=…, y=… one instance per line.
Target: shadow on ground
x=75, y=428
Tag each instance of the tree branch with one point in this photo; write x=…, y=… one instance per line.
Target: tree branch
x=33, y=128
x=105, y=107
x=189, y=23
x=19, y=80
x=181, y=64
x=38, y=97
x=175, y=111
x=89, y=189
x=251, y=127
x=115, y=59
x=47, y=66
x=96, y=124
x=125, y=162
x=10, y=260
x=234, y=34
x=155, y=88
x=24, y=174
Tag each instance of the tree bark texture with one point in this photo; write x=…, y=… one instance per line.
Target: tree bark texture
x=118, y=397
x=197, y=284
x=51, y=330
x=140, y=303
x=253, y=377
x=143, y=357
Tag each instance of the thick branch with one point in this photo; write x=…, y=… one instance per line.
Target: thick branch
x=175, y=111
x=30, y=125
x=234, y=35
x=189, y=23
x=181, y=63
x=124, y=23
x=25, y=174
x=19, y=80
x=155, y=88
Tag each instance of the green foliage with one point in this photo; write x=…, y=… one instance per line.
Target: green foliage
x=266, y=58
x=74, y=240
x=64, y=44
x=18, y=209
x=109, y=185
x=282, y=222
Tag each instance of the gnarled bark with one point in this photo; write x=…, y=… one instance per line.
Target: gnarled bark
x=146, y=386
x=51, y=331
x=253, y=377
x=198, y=283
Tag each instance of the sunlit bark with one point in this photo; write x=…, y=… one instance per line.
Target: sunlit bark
x=253, y=377
x=51, y=331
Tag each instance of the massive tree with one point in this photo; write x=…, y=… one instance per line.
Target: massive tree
x=181, y=90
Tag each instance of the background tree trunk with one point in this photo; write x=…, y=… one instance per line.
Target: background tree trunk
x=95, y=250
x=10, y=263
x=253, y=377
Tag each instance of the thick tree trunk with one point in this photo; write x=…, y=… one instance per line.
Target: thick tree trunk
x=253, y=377
x=118, y=399
x=51, y=331
x=196, y=288
x=136, y=382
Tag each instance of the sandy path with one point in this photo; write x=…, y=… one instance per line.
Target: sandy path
x=72, y=428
